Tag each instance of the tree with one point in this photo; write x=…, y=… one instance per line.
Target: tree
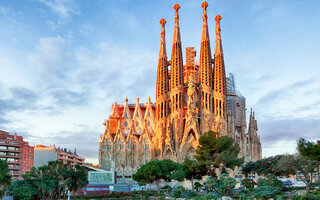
x=50, y=181
x=249, y=168
x=307, y=168
x=263, y=166
x=218, y=152
x=223, y=185
x=286, y=165
x=190, y=170
x=266, y=192
x=270, y=180
x=302, y=165
x=268, y=187
x=248, y=183
x=23, y=190
x=155, y=171
x=198, y=186
x=311, y=150
x=5, y=178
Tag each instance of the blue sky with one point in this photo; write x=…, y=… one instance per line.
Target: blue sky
x=64, y=62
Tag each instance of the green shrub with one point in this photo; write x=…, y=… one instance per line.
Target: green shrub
x=264, y=192
x=304, y=197
x=224, y=185
x=207, y=197
x=166, y=188
x=22, y=190
x=270, y=180
x=245, y=195
x=281, y=197
x=178, y=191
x=316, y=192
x=248, y=183
x=189, y=194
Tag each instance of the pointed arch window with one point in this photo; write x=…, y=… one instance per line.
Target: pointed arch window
x=137, y=124
x=125, y=124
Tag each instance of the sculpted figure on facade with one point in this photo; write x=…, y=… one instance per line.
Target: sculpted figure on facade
x=191, y=99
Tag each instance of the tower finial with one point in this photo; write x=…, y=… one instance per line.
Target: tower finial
x=163, y=51
x=162, y=22
x=176, y=7
x=204, y=5
x=218, y=18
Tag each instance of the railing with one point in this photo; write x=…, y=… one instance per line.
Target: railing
x=10, y=156
x=10, y=150
x=10, y=145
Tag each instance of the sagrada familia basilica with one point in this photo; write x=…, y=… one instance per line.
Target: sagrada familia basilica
x=191, y=99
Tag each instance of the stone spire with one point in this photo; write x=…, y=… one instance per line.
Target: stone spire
x=251, y=119
x=176, y=33
x=163, y=51
x=219, y=77
x=176, y=56
x=219, y=69
x=205, y=51
x=162, y=72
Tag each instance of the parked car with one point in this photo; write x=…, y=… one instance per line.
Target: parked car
x=299, y=184
x=287, y=183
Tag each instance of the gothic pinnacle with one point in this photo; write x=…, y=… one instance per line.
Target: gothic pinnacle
x=218, y=49
x=205, y=52
x=162, y=71
x=176, y=54
x=218, y=18
x=176, y=33
x=162, y=51
x=205, y=33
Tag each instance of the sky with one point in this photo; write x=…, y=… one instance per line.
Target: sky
x=64, y=62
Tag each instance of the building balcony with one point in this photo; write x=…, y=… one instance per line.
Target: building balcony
x=10, y=150
x=14, y=168
x=10, y=145
x=10, y=156
x=14, y=162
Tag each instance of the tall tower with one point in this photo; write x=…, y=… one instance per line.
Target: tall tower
x=162, y=77
x=176, y=90
x=206, y=75
x=162, y=102
x=219, y=79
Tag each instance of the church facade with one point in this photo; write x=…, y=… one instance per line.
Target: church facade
x=191, y=99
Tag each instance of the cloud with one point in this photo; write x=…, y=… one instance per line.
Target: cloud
x=5, y=11
x=63, y=8
x=83, y=138
x=291, y=101
x=280, y=136
x=67, y=97
x=53, y=60
x=20, y=99
x=274, y=95
x=289, y=130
